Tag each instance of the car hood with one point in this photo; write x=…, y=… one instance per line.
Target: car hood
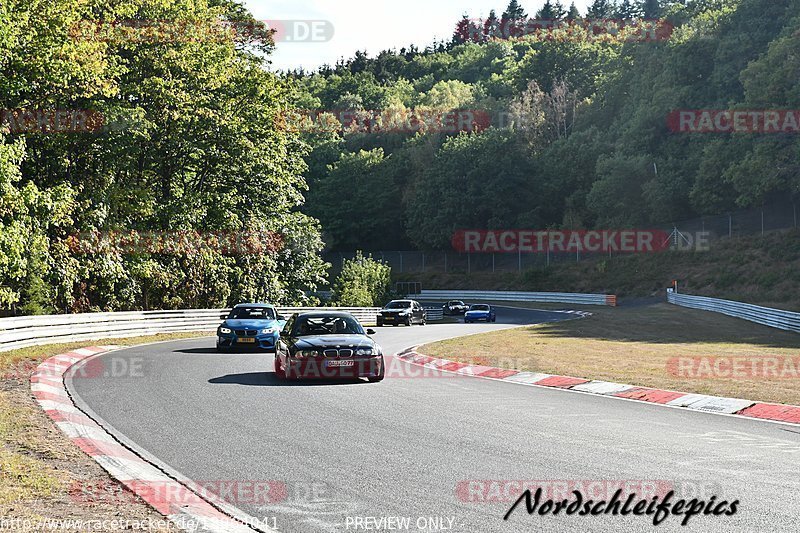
x=334, y=341
x=238, y=323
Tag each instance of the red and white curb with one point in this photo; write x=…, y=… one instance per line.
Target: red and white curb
x=789, y=414
x=187, y=510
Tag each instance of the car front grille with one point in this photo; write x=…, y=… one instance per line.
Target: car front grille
x=339, y=353
x=246, y=332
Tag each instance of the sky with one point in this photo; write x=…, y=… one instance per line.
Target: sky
x=371, y=25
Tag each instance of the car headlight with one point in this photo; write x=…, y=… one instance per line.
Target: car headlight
x=364, y=351
x=305, y=353
x=224, y=330
x=267, y=331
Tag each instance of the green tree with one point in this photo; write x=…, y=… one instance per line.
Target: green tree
x=600, y=9
x=551, y=11
x=650, y=9
x=626, y=10
x=466, y=187
x=363, y=282
x=573, y=13
x=513, y=19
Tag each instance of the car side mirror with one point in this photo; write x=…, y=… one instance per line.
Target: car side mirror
x=370, y=331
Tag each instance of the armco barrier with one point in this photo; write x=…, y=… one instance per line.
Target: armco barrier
x=434, y=313
x=767, y=316
x=19, y=332
x=514, y=296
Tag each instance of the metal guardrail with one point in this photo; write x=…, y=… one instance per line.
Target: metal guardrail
x=774, y=318
x=514, y=296
x=434, y=313
x=21, y=332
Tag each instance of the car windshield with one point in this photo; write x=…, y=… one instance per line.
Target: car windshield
x=456, y=302
x=398, y=305
x=327, y=325
x=252, y=313
x=479, y=308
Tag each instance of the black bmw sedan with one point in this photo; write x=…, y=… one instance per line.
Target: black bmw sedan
x=327, y=344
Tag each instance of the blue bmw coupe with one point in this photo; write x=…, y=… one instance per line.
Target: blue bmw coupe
x=254, y=325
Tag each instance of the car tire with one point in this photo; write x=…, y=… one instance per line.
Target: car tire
x=409, y=321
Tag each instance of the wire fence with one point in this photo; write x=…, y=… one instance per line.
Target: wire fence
x=692, y=234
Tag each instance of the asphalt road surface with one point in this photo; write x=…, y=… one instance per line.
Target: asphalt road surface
x=428, y=448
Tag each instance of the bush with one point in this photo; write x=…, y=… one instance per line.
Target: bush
x=363, y=282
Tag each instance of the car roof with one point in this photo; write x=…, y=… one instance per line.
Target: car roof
x=403, y=300
x=323, y=314
x=253, y=305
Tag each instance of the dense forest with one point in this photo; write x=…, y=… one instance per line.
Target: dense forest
x=574, y=126
x=177, y=151
x=150, y=157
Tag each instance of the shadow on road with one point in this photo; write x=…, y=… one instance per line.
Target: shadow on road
x=212, y=350
x=269, y=379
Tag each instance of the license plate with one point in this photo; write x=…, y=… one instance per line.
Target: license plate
x=389, y=318
x=339, y=363
x=247, y=340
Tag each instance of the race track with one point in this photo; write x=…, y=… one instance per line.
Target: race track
x=408, y=446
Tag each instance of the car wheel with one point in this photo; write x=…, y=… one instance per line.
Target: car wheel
x=409, y=321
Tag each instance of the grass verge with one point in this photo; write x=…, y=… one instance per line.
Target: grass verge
x=763, y=270
x=42, y=475
x=635, y=346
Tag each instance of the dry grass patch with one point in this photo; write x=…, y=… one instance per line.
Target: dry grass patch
x=40, y=469
x=634, y=346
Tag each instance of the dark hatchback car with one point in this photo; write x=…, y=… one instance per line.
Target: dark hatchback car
x=405, y=312
x=454, y=307
x=327, y=345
